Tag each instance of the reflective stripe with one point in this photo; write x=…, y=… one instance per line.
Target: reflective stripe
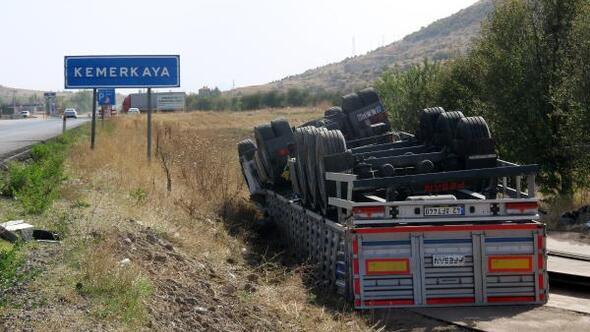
x=509, y=239
x=385, y=243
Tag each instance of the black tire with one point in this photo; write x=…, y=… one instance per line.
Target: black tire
x=327, y=143
x=263, y=133
x=470, y=133
x=428, y=118
x=368, y=96
x=263, y=176
x=293, y=177
x=300, y=154
x=247, y=148
x=351, y=102
x=445, y=128
x=332, y=111
x=311, y=165
x=281, y=127
x=7, y=235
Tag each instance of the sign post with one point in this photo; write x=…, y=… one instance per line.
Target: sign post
x=93, y=126
x=149, y=124
x=122, y=71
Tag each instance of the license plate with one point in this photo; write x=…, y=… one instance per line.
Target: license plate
x=448, y=260
x=444, y=210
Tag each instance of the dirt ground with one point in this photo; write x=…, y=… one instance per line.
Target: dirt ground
x=194, y=257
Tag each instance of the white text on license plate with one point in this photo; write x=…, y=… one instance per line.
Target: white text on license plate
x=443, y=211
x=448, y=260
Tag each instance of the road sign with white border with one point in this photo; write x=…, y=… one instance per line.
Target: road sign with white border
x=122, y=71
x=106, y=96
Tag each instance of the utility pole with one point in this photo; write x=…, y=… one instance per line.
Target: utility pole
x=13, y=102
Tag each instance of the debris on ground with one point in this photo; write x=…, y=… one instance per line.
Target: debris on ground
x=14, y=230
x=576, y=220
x=20, y=228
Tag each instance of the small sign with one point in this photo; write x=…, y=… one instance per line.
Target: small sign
x=171, y=101
x=133, y=71
x=106, y=96
x=448, y=260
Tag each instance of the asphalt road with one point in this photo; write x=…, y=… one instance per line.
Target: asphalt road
x=17, y=134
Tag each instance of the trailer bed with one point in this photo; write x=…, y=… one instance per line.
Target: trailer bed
x=407, y=265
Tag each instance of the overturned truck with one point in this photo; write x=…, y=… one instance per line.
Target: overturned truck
x=394, y=219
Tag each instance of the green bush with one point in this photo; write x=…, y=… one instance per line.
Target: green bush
x=10, y=259
x=36, y=183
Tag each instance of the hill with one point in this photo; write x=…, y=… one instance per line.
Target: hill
x=441, y=40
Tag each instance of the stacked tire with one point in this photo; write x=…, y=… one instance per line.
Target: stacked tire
x=273, y=141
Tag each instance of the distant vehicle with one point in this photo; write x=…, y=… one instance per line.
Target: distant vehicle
x=161, y=101
x=133, y=111
x=70, y=113
x=25, y=114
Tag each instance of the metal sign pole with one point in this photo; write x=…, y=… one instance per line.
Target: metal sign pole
x=93, y=128
x=149, y=124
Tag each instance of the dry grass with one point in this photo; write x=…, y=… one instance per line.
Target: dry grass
x=195, y=157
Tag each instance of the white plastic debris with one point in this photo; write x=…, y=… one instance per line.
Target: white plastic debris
x=20, y=227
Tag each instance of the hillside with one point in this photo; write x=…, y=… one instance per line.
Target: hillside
x=23, y=95
x=441, y=40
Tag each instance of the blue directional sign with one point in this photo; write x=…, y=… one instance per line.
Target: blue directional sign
x=122, y=71
x=106, y=96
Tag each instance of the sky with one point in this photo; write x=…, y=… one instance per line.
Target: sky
x=222, y=43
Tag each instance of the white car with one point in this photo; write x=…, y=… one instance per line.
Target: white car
x=25, y=114
x=133, y=111
x=70, y=113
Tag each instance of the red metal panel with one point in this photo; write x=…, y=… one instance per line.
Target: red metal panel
x=447, y=228
x=450, y=300
x=496, y=299
x=372, y=303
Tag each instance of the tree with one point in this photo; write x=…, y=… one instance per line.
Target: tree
x=405, y=93
x=524, y=54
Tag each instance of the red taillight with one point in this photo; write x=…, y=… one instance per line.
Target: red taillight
x=283, y=152
x=369, y=212
x=522, y=208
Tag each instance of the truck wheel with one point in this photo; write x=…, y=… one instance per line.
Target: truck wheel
x=311, y=165
x=473, y=137
x=445, y=128
x=428, y=118
x=294, y=177
x=281, y=127
x=299, y=135
x=264, y=178
x=351, y=102
x=368, y=96
x=332, y=111
x=263, y=133
x=301, y=138
x=327, y=143
x=247, y=148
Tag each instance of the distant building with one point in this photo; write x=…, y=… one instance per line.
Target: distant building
x=204, y=92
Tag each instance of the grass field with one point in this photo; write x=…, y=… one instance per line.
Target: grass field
x=172, y=242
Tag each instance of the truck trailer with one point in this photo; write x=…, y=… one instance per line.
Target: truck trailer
x=393, y=219
x=160, y=101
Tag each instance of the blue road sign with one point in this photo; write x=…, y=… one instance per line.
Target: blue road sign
x=122, y=71
x=106, y=96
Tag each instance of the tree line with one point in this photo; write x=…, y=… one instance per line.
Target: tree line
x=293, y=97
x=528, y=75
